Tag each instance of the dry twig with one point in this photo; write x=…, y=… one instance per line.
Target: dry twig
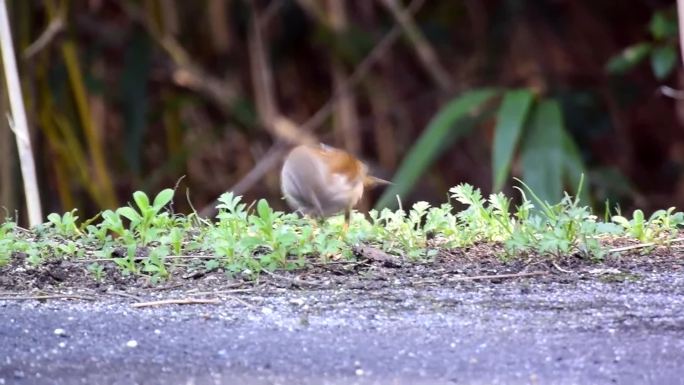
x=51, y=31
x=497, y=276
x=125, y=295
x=644, y=245
x=94, y=260
x=294, y=281
x=180, y=301
x=46, y=296
x=239, y=300
x=223, y=292
x=557, y=267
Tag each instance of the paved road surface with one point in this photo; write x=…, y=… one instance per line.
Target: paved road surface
x=584, y=332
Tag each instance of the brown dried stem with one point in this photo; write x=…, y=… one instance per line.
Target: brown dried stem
x=426, y=53
x=181, y=301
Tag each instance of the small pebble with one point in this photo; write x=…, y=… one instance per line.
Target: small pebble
x=132, y=343
x=297, y=301
x=60, y=332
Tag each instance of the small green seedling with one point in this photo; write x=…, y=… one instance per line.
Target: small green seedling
x=65, y=225
x=97, y=271
x=144, y=222
x=244, y=240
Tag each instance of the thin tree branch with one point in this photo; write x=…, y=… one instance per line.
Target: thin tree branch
x=425, y=52
x=186, y=73
x=644, y=245
x=53, y=29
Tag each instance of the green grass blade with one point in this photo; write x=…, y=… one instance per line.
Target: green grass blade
x=510, y=120
x=542, y=151
x=573, y=168
x=440, y=129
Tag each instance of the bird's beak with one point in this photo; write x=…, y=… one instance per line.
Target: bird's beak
x=372, y=181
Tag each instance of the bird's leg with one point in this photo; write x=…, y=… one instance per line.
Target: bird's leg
x=347, y=221
x=315, y=223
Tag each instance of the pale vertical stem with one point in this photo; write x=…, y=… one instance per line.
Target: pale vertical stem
x=680, y=18
x=18, y=121
x=7, y=160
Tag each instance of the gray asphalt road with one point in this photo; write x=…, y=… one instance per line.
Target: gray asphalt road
x=584, y=332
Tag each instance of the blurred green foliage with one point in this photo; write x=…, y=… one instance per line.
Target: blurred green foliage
x=661, y=48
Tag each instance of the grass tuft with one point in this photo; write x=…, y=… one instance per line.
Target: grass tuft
x=148, y=239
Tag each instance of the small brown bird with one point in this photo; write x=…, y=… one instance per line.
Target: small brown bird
x=320, y=181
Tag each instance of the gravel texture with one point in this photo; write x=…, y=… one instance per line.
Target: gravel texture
x=523, y=331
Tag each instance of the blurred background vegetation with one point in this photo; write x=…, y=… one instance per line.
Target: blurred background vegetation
x=126, y=95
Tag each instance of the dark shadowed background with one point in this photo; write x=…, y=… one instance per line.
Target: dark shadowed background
x=132, y=95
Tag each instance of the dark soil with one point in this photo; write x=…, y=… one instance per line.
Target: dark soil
x=373, y=269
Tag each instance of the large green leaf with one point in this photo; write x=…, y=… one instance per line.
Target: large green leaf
x=663, y=25
x=510, y=121
x=441, y=129
x=628, y=58
x=663, y=60
x=542, y=152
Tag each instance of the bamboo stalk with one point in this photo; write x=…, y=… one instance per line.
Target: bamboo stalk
x=18, y=122
x=91, y=131
x=7, y=164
